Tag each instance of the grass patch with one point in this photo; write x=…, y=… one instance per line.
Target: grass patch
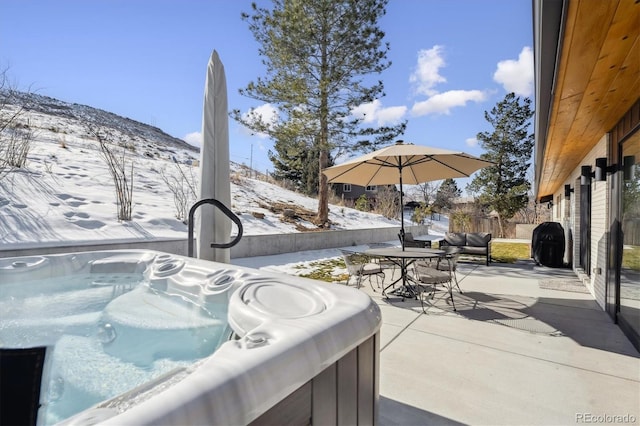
x=501, y=252
x=323, y=270
x=631, y=258
x=509, y=252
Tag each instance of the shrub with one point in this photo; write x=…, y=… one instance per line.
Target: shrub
x=362, y=203
x=118, y=168
x=182, y=185
x=461, y=220
x=420, y=214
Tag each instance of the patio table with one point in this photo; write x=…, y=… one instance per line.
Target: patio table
x=404, y=258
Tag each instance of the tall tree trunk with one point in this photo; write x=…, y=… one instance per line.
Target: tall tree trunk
x=323, y=191
x=323, y=143
x=500, y=227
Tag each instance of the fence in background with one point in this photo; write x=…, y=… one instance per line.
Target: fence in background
x=485, y=224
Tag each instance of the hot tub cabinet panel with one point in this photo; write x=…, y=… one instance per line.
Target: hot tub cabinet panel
x=304, y=352
x=344, y=393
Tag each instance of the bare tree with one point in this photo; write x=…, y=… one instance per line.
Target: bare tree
x=532, y=212
x=529, y=212
x=387, y=201
x=183, y=187
x=118, y=169
x=15, y=143
x=428, y=191
x=15, y=137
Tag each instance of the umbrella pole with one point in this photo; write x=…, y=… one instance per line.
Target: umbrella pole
x=401, y=211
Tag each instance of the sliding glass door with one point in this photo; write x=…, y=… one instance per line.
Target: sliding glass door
x=629, y=289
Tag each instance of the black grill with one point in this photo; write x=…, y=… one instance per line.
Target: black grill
x=547, y=244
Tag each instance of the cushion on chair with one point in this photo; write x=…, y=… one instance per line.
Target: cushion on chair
x=475, y=250
x=456, y=238
x=371, y=268
x=480, y=239
x=432, y=276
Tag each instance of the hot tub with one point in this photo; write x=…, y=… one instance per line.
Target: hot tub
x=144, y=337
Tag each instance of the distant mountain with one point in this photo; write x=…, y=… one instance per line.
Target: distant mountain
x=43, y=113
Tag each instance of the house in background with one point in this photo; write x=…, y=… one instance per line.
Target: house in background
x=587, y=127
x=350, y=193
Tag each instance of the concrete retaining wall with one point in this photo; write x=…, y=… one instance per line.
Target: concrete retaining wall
x=249, y=245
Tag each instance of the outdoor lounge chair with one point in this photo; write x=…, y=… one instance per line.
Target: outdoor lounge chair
x=361, y=266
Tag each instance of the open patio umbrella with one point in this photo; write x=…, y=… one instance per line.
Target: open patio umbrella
x=211, y=224
x=404, y=164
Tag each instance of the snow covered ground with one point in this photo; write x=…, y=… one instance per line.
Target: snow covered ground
x=66, y=194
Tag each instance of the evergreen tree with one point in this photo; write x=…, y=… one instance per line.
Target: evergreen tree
x=317, y=53
x=296, y=162
x=503, y=187
x=446, y=193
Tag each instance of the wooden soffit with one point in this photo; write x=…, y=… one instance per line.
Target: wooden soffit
x=597, y=81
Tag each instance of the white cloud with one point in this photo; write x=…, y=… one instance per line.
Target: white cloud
x=391, y=115
x=472, y=142
x=194, y=138
x=427, y=72
x=516, y=76
x=266, y=112
x=366, y=112
x=443, y=102
x=374, y=112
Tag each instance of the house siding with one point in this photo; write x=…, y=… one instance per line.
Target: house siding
x=575, y=224
x=599, y=220
x=354, y=194
x=569, y=216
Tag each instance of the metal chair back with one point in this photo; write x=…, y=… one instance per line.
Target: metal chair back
x=360, y=266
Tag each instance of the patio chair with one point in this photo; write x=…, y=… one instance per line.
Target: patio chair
x=410, y=242
x=450, y=262
x=434, y=272
x=383, y=261
x=361, y=266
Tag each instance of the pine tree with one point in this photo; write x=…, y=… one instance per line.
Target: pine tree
x=296, y=162
x=447, y=191
x=317, y=54
x=503, y=187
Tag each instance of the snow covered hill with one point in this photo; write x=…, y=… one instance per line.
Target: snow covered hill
x=66, y=193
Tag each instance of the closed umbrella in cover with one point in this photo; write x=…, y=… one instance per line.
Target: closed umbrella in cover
x=212, y=225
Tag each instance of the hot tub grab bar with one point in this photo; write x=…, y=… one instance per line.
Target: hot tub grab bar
x=226, y=212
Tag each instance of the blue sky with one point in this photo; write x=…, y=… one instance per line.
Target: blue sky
x=146, y=60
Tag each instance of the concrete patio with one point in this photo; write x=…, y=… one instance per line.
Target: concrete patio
x=513, y=354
